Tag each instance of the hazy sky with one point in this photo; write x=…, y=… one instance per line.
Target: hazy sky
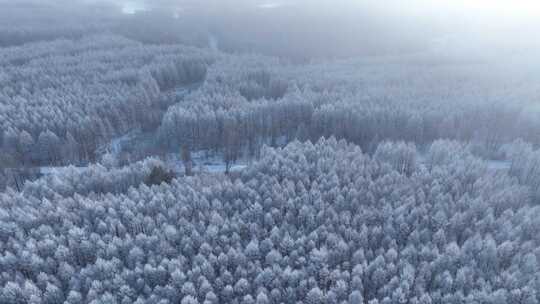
x=496, y=24
x=494, y=14
x=514, y=8
x=478, y=14
x=485, y=13
x=506, y=9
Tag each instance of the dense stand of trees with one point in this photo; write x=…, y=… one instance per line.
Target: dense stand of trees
x=525, y=165
x=81, y=93
x=60, y=100
x=312, y=224
x=97, y=178
x=423, y=98
x=250, y=100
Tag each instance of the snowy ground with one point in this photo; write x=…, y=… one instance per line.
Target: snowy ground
x=116, y=145
x=204, y=162
x=492, y=164
x=498, y=164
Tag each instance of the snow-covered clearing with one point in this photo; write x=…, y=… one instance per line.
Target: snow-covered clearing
x=204, y=161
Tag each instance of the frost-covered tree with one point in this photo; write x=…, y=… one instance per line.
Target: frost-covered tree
x=311, y=223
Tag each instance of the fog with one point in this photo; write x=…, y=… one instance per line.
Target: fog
x=308, y=29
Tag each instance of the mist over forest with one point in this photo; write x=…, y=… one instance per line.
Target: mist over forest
x=297, y=28
x=269, y=152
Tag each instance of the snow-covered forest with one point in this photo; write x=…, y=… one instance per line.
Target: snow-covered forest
x=184, y=158
x=311, y=223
